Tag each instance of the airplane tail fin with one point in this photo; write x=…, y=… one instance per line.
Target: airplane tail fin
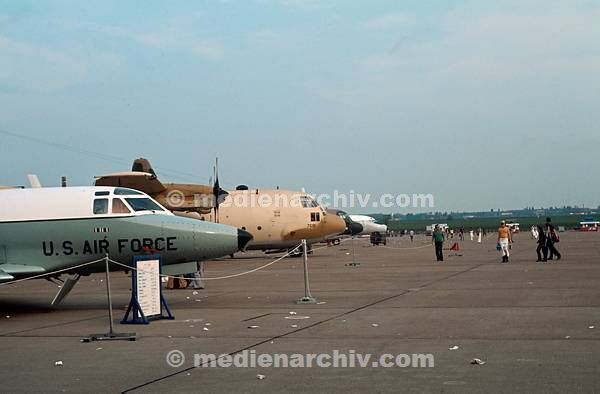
x=143, y=165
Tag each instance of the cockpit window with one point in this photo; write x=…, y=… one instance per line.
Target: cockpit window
x=308, y=202
x=119, y=206
x=100, y=206
x=103, y=193
x=342, y=214
x=121, y=191
x=143, y=204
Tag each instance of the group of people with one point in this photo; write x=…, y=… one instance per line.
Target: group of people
x=440, y=234
x=183, y=281
x=547, y=237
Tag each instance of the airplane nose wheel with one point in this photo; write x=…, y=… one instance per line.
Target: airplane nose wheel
x=295, y=252
x=299, y=251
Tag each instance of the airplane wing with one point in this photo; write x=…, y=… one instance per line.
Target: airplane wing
x=142, y=181
x=190, y=198
x=9, y=271
x=4, y=277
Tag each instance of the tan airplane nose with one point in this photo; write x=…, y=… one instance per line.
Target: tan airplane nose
x=333, y=225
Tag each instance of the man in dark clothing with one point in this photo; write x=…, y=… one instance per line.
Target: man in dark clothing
x=541, y=245
x=551, y=239
x=438, y=240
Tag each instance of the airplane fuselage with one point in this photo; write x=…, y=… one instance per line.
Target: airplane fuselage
x=368, y=224
x=70, y=231
x=277, y=218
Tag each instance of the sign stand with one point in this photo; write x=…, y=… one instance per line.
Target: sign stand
x=111, y=335
x=147, y=302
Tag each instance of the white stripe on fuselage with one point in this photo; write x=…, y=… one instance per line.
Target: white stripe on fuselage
x=55, y=203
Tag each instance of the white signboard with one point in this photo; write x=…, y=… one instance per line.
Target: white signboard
x=148, y=286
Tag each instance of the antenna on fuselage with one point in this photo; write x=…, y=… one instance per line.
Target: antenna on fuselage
x=34, y=181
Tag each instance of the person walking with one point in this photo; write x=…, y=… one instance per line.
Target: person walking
x=471, y=234
x=541, y=242
x=438, y=239
x=504, y=240
x=551, y=240
x=479, y=234
x=535, y=231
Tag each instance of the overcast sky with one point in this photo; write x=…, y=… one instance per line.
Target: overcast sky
x=484, y=104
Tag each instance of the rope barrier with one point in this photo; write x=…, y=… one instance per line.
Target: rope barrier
x=53, y=272
x=232, y=275
x=487, y=236
x=411, y=248
x=220, y=277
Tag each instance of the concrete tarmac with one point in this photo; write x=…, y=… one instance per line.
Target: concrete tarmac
x=536, y=326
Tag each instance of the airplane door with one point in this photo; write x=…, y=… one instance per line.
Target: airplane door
x=274, y=219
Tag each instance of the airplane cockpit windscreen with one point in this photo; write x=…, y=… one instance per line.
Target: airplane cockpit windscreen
x=143, y=204
x=308, y=202
x=118, y=206
x=342, y=214
x=121, y=191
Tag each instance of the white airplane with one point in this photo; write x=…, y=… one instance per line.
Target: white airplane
x=368, y=225
x=44, y=230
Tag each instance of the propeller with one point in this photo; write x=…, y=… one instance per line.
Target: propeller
x=217, y=191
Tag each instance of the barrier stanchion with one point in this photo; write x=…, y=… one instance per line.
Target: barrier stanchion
x=111, y=335
x=308, y=298
x=353, y=263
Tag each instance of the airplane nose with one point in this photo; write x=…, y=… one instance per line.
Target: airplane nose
x=243, y=238
x=355, y=228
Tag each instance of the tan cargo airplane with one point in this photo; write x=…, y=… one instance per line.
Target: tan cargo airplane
x=278, y=219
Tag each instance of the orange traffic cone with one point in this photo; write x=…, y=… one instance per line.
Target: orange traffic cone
x=455, y=247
